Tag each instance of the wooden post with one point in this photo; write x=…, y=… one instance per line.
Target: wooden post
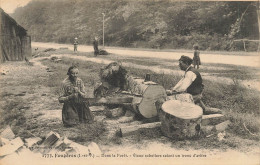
x=244, y=45
x=258, y=20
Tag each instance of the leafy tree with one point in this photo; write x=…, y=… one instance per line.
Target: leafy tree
x=142, y=23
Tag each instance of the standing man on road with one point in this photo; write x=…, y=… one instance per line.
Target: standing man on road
x=95, y=45
x=191, y=83
x=76, y=44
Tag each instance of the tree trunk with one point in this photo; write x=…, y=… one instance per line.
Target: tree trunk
x=130, y=130
x=145, y=96
x=258, y=19
x=180, y=119
x=110, y=100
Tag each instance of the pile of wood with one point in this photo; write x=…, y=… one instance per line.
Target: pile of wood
x=179, y=117
x=13, y=148
x=213, y=123
x=144, y=94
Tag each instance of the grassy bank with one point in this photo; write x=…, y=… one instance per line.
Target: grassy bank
x=241, y=105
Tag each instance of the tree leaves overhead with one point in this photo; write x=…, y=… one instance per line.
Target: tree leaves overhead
x=143, y=23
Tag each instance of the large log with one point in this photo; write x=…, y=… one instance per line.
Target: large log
x=146, y=94
x=110, y=100
x=129, y=130
x=180, y=119
x=213, y=119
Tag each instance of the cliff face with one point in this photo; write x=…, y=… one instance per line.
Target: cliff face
x=143, y=23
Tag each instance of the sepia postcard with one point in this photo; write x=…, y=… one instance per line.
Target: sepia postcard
x=129, y=82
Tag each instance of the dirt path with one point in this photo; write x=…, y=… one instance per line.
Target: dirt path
x=252, y=60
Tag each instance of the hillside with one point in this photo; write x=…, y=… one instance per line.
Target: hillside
x=143, y=23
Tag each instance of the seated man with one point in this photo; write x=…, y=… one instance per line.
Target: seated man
x=191, y=83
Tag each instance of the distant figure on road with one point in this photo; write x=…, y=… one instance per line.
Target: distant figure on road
x=95, y=45
x=72, y=93
x=196, y=57
x=191, y=83
x=76, y=44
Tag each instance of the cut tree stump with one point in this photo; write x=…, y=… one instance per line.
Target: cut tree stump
x=212, y=119
x=145, y=95
x=130, y=130
x=180, y=120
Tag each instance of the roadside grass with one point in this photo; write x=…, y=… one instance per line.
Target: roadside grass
x=137, y=60
x=167, y=81
x=241, y=105
x=88, y=72
x=13, y=107
x=81, y=133
x=12, y=112
x=219, y=70
x=237, y=53
x=230, y=71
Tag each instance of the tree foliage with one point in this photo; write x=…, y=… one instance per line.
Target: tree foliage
x=141, y=23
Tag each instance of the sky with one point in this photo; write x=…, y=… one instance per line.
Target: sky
x=10, y=5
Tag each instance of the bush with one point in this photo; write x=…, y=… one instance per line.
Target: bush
x=250, y=46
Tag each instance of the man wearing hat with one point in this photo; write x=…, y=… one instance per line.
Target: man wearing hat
x=191, y=83
x=76, y=44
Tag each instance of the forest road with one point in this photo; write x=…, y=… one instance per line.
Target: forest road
x=249, y=60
